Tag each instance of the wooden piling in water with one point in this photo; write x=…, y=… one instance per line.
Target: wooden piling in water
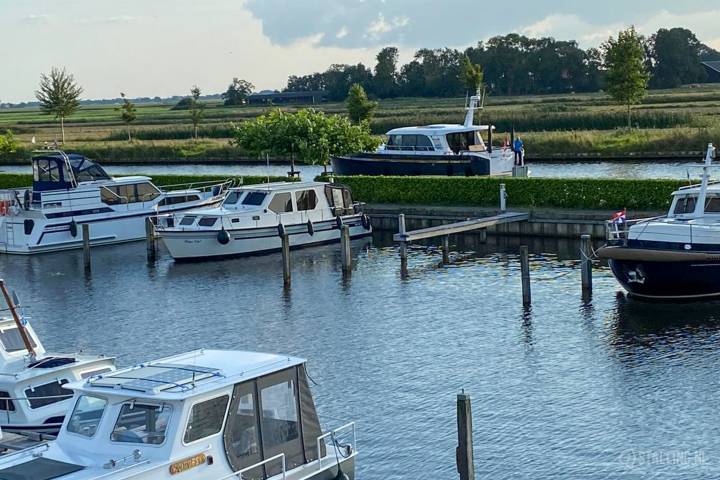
x=403, y=245
x=464, y=452
x=86, y=246
x=285, y=238
x=446, y=249
x=586, y=263
x=346, y=252
x=525, y=274
x=150, y=240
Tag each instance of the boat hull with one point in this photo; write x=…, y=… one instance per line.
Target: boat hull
x=397, y=164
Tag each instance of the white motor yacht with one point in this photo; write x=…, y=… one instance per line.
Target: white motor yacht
x=69, y=190
x=32, y=397
x=252, y=220
x=202, y=415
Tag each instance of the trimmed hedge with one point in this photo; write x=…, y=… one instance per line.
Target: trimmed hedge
x=25, y=180
x=579, y=193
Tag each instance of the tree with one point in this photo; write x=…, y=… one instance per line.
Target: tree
x=308, y=134
x=59, y=95
x=472, y=76
x=237, y=92
x=675, y=56
x=196, y=108
x=385, y=79
x=360, y=109
x=8, y=144
x=627, y=75
x=127, y=113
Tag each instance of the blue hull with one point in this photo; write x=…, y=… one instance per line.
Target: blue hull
x=399, y=164
x=668, y=280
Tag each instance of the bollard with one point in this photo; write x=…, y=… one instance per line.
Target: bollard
x=403, y=244
x=446, y=249
x=525, y=274
x=150, y=240
x=86, y=245
x=586, y=263
x=286, y=258
x=346, y=252
x=464, y=453
x=503, y=198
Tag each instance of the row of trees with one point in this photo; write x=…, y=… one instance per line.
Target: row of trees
x=513, y=64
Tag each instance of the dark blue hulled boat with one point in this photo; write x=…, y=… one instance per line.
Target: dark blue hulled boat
x=677, y=256
x=443, y=149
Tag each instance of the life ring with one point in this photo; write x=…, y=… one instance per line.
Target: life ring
x=365, y=222
x=73, y=229
x=311, y=228
x=223, y=237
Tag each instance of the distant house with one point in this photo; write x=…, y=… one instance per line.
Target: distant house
x=274, y=97
x=713, y=70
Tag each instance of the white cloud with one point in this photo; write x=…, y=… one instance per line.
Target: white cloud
x=35, y=18
x=380, y=26
x=105, y=20
x=343, y=32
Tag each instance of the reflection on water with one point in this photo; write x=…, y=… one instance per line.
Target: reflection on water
x=610, y=388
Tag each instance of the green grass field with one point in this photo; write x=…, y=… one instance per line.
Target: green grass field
x=667, y=120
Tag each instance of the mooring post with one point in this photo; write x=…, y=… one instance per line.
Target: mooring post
x=464, y=453
x=586, y=263
x=286, y=258
x=86, y=245
x=403, y=243
x=503, y=198
x=483, y=235
x=345, y=249
x=150, y=240
x=446, y=249
x=525, y=274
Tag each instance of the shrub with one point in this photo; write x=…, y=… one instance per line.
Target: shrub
x=8, y=144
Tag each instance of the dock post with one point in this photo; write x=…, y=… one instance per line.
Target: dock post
x=525, y=274
x=464, y=453
x=345, y=249
x=586, y=263
x=286, y=258
x=86, y=245
x=446, y=249
x=403, y=244
x=503, y=198
x=483, y=235
x=150, y=240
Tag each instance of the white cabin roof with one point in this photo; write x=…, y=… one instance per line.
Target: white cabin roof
x=130, y=179
x=695, y=189
x=280, y=186
x=186, y=375
x=437, y=129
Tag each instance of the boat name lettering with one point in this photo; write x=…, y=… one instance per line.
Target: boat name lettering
x=188, y=463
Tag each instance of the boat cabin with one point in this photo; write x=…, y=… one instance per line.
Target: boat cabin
x=684, y=202
x=210, y=412
x=436, y=139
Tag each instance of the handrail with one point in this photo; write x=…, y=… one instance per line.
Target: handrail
x=202, y=185
x=350, y=425
x=258, y=464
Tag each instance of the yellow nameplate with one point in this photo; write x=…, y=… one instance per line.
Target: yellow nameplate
x=187, y=464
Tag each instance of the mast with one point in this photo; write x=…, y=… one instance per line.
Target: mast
x=470, y=115
x=16, y=317
x=702, y=196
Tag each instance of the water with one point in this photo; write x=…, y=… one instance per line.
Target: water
x=612, y=389
x=605, y=169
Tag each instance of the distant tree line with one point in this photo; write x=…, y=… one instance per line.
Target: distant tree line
x=512, y=64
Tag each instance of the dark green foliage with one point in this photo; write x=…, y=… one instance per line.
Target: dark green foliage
x=360, y=109
x=596, y=194
x=676, y=58
x=8, y=143
x=183, y=104
x=627, y=74
x=237, y=92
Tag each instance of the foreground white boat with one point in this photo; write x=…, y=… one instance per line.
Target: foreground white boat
x=252, y=219
x=32, y=397
x=70, y=190
x=203, y=415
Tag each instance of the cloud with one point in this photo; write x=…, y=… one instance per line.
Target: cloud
x=380, y=26
x=106, y=20
x=342, y=33
x=35, y=18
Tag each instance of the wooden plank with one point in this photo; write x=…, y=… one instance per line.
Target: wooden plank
x=460, y=227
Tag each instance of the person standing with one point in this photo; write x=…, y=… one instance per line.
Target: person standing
x=518, y=148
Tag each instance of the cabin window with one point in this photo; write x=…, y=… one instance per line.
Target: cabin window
x=254, y=198
x=146, y=192
x=206, y=418
x=46, y=171
x=232, y=198
x=712, y=205
x=460, y=141
x=174, y=200
x=138, y=423
x=207, y=221
x=187, y=220
x=109, y=196
x=279, y=419
x=242, y=441
x=5, y=404
x=685, y=204
x=306, y=200
x=12, y=340
x=86, y=416
x=91, y=173
x=409, y=142
x=47, y=394
x=281, y=203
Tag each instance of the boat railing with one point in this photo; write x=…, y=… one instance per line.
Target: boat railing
x=617, y=232
x=345, y=430
x=203, y=186
x=239, y=474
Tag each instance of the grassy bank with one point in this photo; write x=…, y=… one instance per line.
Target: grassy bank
x=610, y=194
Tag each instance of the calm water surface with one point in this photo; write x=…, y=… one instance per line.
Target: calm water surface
x=619, y=169
x=608, y=389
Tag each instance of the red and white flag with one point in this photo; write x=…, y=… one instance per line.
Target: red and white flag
x=618, y=217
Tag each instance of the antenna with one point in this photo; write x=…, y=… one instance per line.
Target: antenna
x=13, y=311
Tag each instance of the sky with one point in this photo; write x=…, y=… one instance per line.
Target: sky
x=163, y=47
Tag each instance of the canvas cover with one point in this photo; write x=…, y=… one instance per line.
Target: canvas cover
x=39, y=469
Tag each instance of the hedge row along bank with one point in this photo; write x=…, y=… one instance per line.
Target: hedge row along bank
x=25, y=180
x=581, y=193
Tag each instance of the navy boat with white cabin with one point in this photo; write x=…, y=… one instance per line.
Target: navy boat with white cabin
x=69, y=190
x=676, y=256
x=205, y=415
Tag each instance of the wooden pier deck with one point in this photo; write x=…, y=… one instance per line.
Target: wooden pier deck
x=460, y=227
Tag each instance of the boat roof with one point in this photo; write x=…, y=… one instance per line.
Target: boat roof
x=186, y=375
x=437, y=129
x=281, y=186
x=713, y=187
x=131, y=179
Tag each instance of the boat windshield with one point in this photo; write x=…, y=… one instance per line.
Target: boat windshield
x=142, y=424
x=254, y=198
x=232, y=198
x=86, y=416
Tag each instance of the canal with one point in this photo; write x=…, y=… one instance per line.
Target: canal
x=611, y=389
